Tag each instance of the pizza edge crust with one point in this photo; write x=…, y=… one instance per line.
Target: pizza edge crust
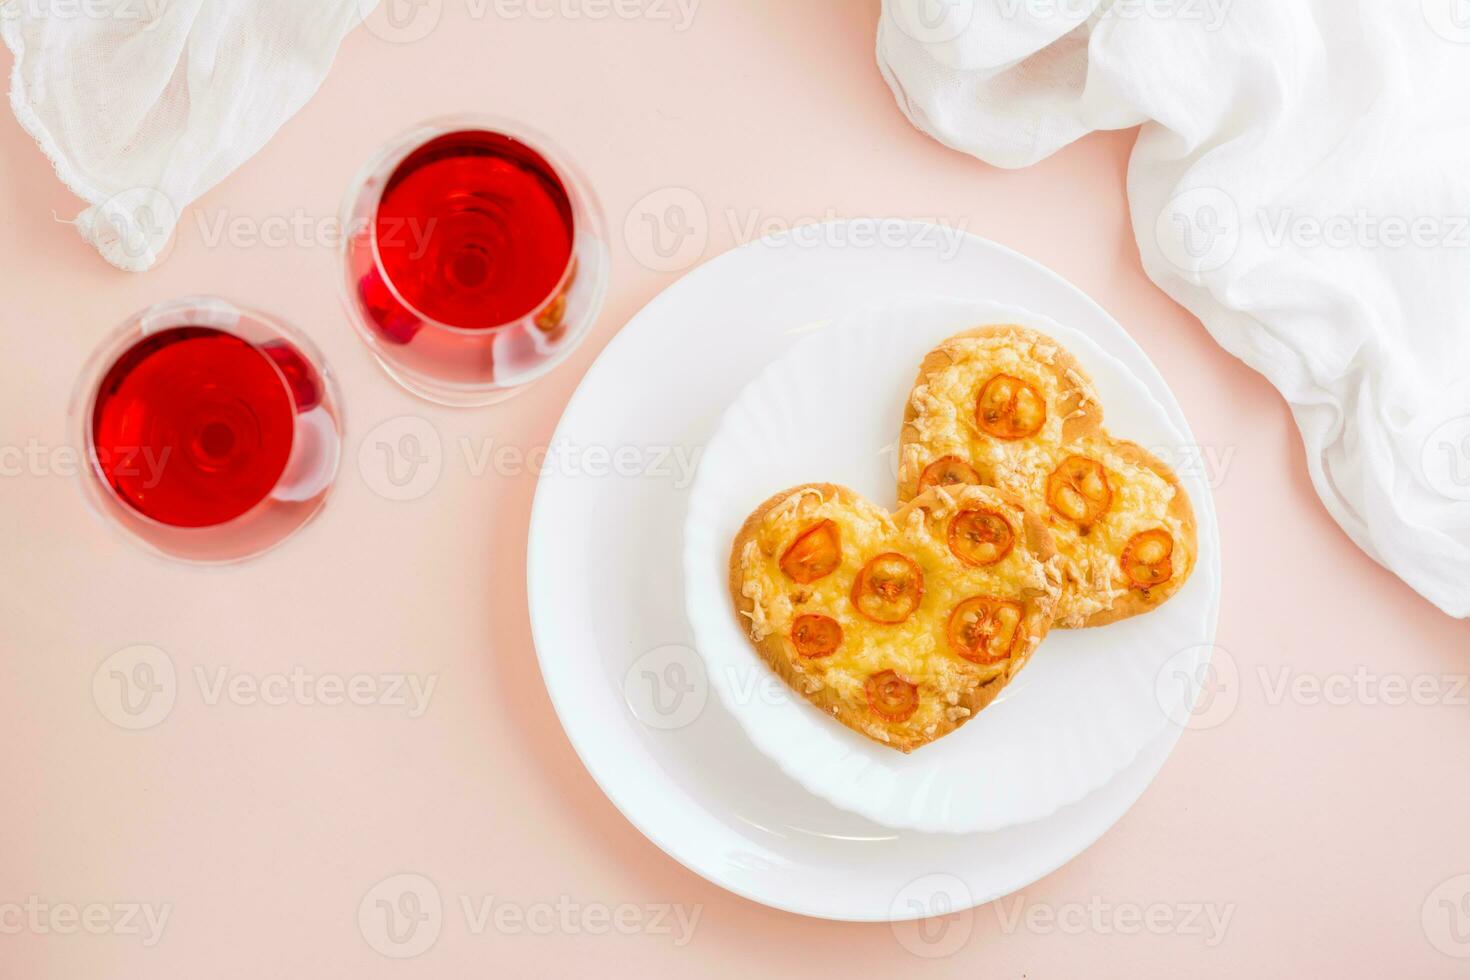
x=1038, y=542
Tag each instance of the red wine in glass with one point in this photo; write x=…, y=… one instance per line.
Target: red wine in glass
x=475, y=262
x=193, y=426
x=211, y=431
x=474, y=230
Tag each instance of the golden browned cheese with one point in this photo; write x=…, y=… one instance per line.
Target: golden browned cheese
x=897, y=647
x=1048, y=448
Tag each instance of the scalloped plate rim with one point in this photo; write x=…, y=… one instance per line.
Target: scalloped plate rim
x=700, y=537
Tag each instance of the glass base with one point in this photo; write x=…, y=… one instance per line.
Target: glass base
x=452, y=396
x=300, y=489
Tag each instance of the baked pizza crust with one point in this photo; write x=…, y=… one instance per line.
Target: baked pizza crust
x=971, y=688
x=1135, y=601
x=1078, y=405
x=1105, y=596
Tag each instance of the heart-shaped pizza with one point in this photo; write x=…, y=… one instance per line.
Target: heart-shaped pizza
x=901, y=626
x=1008, y=407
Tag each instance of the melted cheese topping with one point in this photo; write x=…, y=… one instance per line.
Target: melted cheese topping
x=1141, y=499
x=945, y=403
x=918, y=648
x=1141, y=502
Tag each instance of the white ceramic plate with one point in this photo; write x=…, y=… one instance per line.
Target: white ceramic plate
x=686, y=775
x=829, y=410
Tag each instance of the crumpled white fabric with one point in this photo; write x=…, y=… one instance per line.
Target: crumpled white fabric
x=143, y=105
x=1301, y=183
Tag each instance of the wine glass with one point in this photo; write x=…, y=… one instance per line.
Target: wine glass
x=209, y=432
x=475, y=258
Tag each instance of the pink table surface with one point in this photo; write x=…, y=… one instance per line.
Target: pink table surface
x=1326, y=828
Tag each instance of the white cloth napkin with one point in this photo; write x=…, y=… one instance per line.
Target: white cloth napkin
x=1301, y=183
x=143, y=105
